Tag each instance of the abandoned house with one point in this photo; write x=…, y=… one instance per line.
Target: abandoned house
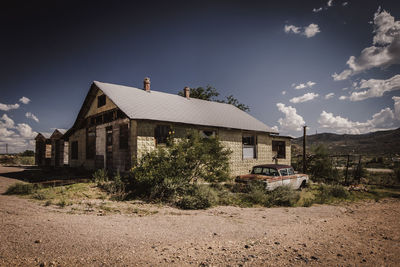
x=51, y=150
x=118, y=124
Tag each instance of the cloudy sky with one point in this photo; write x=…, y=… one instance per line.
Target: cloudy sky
x=332, y=65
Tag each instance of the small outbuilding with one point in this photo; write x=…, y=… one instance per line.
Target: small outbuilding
x=51, y=150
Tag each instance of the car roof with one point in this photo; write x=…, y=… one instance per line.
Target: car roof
x=276, y=166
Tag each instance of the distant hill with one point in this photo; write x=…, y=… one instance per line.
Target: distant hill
x=374, y=143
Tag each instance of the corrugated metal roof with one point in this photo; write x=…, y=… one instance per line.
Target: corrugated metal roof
x=139, y=104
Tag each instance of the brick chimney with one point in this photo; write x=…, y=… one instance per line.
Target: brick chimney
x=146, y=84
x=186, y=92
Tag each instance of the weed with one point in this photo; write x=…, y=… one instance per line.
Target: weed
x=22, y=189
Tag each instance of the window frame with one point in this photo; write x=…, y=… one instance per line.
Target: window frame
x=276, y=144
x=91, y=144
x=74, y=150
x=101, y=100
x=255, y=145
x=123, y=136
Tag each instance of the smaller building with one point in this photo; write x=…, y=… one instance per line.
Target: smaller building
x=51, y=150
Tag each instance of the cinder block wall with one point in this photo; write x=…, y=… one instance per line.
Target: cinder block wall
x=231, y=139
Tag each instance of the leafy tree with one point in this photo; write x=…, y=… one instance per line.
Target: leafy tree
x=320, y=165
x=210, y=94
x=171, y=171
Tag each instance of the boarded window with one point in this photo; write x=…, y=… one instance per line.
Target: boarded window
x=90, y=142
x=101, y=100
x=249, y=143
x=279, y=148
x=48, y=151
x=162, y=133
x=74, y=150
x=123, y=136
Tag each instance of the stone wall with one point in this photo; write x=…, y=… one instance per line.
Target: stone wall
x=231, y=139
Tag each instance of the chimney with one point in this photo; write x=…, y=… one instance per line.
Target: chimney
x=146, y=84
x=186, y=92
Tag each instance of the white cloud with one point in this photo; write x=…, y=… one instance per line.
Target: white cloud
x=7, y=107
x=330, y=3
x=396, y=107
x=292, y=28
x=32, y=116
x=304, y=98
x=18, y=137
x=311, y=30
x=308, y=84
x=343, y=97
x=345, y=3
x=24, y=100
x=308, y=31
x=384, y=52
x=283, y=92
x=375, y=88
x=292, y=121
x=384, y=119
x=330, y=95
x=316, y=10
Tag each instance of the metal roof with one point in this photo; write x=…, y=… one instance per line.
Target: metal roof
x=153, y=105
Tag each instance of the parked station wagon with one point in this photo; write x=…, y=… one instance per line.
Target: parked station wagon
x=274, y=175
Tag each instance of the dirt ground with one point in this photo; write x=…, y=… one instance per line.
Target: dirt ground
x=357, y=234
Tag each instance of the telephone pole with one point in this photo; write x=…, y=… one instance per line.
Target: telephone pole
x=6, y=149
x=304, y=148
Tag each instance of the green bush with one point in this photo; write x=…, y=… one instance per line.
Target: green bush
x=327, y=193
x=283, y=196
x=22, y=189
x=320, y=166
x=100, y=176
x=169, y=172
x=199, y=197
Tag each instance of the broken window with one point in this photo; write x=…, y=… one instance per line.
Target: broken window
x=249, y=144
x=101, y=100
x=279, y=148
x=90, y=142
x=123, y=136
x=162, y=133
x=74, y=150
x=207, y=133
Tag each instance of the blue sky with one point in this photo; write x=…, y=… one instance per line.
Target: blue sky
x=259, y=51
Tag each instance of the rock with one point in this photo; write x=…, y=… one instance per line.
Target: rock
x=38, y=241
x=42, y=264
x=246, y=246
x=277, y=243
x=339, y=255
x=215, y=234
x=209, y=247
x=314, y=258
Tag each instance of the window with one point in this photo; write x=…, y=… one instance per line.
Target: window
x=90, y=142
x=290, y=171
x=283, y=172
x=162, y=133
x=101, y=101
x=270, y=172
x=74, y=150
x=280, y=148
x=207, y=133
x=123, y=136
x=249, y=146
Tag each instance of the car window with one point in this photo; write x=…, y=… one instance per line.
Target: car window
x=273, y=172
x=283, y=172
x=257, y=170
x=290, y=171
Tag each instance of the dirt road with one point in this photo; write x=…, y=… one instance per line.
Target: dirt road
x=362, y=234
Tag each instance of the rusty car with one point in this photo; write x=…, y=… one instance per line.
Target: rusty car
x=275, y=175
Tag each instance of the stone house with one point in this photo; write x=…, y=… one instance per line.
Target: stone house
x=51, y=150
x=117, y=125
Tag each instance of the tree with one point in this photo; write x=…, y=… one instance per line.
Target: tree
x=28, y=153
x=210, y=94
x=320, y=166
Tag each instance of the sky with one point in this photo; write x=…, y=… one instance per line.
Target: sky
x=331, y=65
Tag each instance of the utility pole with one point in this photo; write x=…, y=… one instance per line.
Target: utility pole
x=6, y=149
x=304, y=148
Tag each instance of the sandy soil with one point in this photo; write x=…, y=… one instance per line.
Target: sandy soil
x=361, y=234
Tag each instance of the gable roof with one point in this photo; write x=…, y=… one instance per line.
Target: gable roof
x=139, y=104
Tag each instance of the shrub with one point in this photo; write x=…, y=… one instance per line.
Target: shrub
x=169, y=172
x=22, y=189
x=199, y=197
x=320, y=166
x=327, y=193
x=283, y=196
x=100, y=176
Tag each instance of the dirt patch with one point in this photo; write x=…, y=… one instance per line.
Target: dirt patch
x=365, y=233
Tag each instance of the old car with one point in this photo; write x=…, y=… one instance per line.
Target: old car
x=274, y=175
